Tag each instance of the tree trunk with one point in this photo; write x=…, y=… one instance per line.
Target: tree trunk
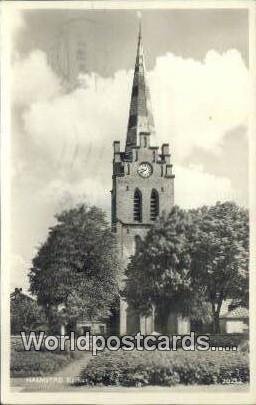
x=216, y=317
x=216, y=323
x=161, y=318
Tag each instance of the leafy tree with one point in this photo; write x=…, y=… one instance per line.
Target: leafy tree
x=158, y=273
x=25, y=314
x=77, y=266
x=220, y=254
x=191, y=261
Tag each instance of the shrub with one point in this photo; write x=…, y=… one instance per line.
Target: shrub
x=244, y=346
x=227, y=340
x=166, y=368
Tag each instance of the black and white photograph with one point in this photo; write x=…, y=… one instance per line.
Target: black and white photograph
x=128, y=209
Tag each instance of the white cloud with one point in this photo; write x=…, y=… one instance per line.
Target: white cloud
x=67, y=194
x=96, y=114
x=194, y=187
x=33, y=80
x=196, y=103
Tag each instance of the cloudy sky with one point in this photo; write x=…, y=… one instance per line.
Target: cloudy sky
x=197, y=62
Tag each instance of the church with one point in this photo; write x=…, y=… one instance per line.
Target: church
x=143, y=187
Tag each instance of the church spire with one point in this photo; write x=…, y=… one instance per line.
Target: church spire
x=140, y=115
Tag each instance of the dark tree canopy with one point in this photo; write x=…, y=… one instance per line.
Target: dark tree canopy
x=192, y=261
x=158, y=272
x=25, y=314
x=220, y=254
x=77, y=265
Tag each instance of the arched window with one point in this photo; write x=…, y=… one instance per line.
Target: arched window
x=154, y=205
x=137, y=206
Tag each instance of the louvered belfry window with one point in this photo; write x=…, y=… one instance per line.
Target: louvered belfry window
x=154, y=205
x=137, y=206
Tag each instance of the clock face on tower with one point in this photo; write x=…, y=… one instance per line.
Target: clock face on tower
x=145, y=169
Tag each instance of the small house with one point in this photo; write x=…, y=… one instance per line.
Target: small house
x=235, y=321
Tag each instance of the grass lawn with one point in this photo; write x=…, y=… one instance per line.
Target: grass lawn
x=27, y=364
x=36, y=363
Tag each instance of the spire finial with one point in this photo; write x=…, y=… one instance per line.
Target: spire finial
x=139, y=17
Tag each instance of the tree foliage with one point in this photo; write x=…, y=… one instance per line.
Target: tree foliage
x=25, y=314
x=220, y=254
x=158, y=273
x=191, y=261
x=77, y=265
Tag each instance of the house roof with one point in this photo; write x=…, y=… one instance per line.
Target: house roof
x=17, y=293
x=225, y=307
x=239, y=312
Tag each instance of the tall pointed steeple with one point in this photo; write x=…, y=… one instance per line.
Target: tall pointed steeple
x=140, y=115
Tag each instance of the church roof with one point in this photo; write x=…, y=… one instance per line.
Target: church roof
x=140, y=115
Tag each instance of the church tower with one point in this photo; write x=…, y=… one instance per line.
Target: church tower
x=143, y=182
